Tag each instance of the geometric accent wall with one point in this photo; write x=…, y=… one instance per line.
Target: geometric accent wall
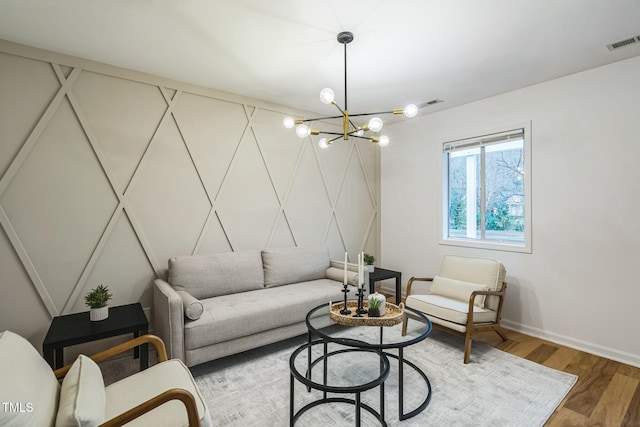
x=106, y=173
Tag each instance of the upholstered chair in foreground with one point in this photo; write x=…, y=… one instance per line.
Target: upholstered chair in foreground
x=465, y=298
x=163, y=395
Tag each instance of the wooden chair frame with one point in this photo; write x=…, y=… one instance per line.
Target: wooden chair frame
x=471, y=328
x=182, y=395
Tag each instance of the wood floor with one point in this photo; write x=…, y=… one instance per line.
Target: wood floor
x=607, y=393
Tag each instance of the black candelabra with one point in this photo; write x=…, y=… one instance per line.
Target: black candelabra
x=345, y=310
x=360, y=310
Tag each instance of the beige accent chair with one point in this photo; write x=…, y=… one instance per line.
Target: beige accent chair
x=163, y=395
x=465, y=298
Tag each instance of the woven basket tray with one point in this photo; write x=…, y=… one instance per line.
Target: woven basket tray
x=392, y=316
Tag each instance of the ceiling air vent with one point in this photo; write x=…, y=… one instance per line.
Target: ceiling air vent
x=623, y=43
x=429, y=103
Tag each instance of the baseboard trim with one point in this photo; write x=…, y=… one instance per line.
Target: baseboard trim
x=598, y=350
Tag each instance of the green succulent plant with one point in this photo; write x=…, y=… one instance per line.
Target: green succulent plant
x=369, y=259
x=374, y=303
x=98, y=297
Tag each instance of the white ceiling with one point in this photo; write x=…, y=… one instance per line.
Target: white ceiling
x=285, y=51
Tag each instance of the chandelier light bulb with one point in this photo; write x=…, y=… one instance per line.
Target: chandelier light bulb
x=410, y=110
x=384, y=141
x=375, y=124
x=303, y=131
x=360, y=132
x=327, y=96
x=323, y=143
x=288, y=122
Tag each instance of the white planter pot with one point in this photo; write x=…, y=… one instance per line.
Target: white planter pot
x=97, y=314
x=381, y=298
x=370, y=268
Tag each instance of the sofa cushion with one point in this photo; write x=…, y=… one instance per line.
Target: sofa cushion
x=233, y=316
x=27, y=382
x=294, y=265
x=205, y=276
x=438, y=308
x=193, y=308
x=82, y=395
x=457, y=289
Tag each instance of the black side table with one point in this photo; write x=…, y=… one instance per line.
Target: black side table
x=73, y=329
x=382, y=274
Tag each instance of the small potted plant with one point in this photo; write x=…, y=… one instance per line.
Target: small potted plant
x=374, y=307
x=98, y=300
x=369, y=260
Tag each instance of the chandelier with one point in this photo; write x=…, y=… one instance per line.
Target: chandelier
x=349, y=129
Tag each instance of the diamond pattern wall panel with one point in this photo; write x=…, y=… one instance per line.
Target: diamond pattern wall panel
x=280, y=148
x=212, y=129
x=18, y=294
x=106, y=173
x=59, y=202
x=137, y=108
x=170, y=217
x=308, y=207
x=123, y=265
x=248, y=203
x=334, y=163
x=28, y=100
x=214, y=238
x=282, y=237
x=355, y=210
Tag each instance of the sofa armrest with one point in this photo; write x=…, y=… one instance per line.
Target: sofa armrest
x=352, y=268
x=168, y=318
x=340, y=265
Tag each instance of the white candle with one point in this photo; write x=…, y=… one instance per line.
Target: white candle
x=361, y=270
x=358, y=279
x=345, y=268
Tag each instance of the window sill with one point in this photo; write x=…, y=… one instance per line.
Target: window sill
x=486, y=244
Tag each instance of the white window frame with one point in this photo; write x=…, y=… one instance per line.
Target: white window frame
x=526, y=246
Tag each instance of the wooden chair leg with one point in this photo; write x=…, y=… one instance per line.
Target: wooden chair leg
x=467, y=347
x=500, y=332
x=404, y=325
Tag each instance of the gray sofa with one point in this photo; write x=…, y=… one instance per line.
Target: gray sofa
x=216, y=305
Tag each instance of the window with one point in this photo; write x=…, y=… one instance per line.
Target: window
x=486, y=191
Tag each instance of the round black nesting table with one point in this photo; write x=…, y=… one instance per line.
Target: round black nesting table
x=351, y=338
x=327, y=384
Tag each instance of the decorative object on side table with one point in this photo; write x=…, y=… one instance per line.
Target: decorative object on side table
x=369, y=260
x=378, y=301
x=98, y=300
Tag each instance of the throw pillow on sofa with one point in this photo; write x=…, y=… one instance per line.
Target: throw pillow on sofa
x=294, y=265
x=206, y=276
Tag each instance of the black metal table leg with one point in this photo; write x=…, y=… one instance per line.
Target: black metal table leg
x=291, y=399
x=401, y=383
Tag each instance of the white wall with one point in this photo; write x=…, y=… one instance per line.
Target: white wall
x=580, y=286
x=106, y=173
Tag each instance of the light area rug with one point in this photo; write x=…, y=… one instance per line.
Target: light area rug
x=495, y=389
